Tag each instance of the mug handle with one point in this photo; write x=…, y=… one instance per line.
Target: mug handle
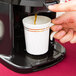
x=1, y=29
x=53, y=33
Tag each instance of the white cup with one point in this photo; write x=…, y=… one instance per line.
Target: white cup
x=37, y=36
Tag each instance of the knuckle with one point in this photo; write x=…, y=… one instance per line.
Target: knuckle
x=53, y=28
x=68, y=8
x=72, y=42
x=56, y=36
x=62, y=41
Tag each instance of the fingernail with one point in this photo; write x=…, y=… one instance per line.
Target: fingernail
x=61, y=34
x=53, y=20
x=50, y=7
x=56, y=21
x=59, y=27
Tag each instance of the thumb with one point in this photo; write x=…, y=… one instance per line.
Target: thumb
x=63, y=7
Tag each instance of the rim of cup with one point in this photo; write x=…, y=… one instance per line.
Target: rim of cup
x=37, y=25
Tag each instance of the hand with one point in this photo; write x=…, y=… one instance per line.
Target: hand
x=66, y=27
x=63, y=7
x=65, y=24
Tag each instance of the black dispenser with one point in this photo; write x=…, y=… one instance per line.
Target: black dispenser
x=12, y=44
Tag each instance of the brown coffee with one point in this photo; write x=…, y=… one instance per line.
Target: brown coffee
x=35, y=19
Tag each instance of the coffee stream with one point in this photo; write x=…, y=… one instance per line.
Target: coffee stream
x=35, y=19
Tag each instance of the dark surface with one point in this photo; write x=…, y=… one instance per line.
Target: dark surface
x=19, y=60
x=26, y=63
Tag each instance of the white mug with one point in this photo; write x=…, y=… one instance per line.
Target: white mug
x=37, y=36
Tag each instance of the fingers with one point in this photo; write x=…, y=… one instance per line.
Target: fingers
x=63, y=7
x=56, y=27
x=60, y=19
x=67, y=37
x=74, y=38
x=64, y=35
x=59, y=34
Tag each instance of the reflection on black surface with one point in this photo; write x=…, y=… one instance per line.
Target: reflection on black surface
x=25, y=59
x=19, y=54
